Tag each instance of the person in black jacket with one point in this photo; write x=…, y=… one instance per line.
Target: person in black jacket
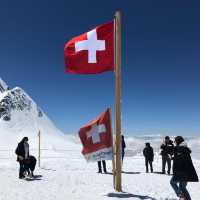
x=149, y=155
x=123, y=147
x=183, y=169
x=166, y=153
x=22, y=152
x=29, y=165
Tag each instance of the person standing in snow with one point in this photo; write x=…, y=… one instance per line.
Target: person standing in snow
x=166, y=153
x=123, y=147
x=183, y=169
x=29, y=166
x=149, y=155
x=22, y=152
x=104, y=166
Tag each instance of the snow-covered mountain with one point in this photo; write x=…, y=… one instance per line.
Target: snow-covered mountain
x=20, y=116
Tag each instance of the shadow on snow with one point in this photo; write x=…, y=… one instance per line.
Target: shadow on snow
x=32, y=179
x=110, y=173
x=131, y=172
x=129, y=195
x=162, y=174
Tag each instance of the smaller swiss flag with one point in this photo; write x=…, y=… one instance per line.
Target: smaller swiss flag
x=96, y=138
x=91, y=52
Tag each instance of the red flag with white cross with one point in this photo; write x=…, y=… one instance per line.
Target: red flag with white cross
x=91, y=52
x=96, y=138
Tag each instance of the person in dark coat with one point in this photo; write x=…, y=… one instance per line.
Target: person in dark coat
x=29, y=165
x=166, y=153
x=183, y=169
x=22, y=152
x=123, y=147
x=104, y=166
x=149, y=155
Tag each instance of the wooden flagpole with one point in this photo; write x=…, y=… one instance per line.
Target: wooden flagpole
x=39, y=148
x=118, y=99
x=113, y=149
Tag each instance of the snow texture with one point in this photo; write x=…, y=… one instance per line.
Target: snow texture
x=66, y=175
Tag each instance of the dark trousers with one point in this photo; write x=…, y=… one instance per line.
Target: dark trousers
x=147, y=163
x=180, y=188
x=104, y=166
x=21, y=168
x=166, y=159
x=123, y=156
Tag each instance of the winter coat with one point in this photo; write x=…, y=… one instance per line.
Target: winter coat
x=183, y=169
x=20, y=151
x=148, y=153
x=123, y=145
x=167, y=148
x=30, y=163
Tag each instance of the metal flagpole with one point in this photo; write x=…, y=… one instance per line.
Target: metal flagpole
x=118, y=186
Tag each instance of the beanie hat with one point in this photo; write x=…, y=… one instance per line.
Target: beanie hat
x=167, y=138
x=179, y=139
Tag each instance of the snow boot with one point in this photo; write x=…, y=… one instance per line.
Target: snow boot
x=21, y=176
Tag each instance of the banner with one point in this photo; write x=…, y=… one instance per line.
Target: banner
x=96, y=138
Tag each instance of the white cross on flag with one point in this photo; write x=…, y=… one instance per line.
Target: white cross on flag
x=96, y=138
x=92, y=52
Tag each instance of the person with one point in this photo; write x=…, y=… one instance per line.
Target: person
x=26, y=162
x=22, y=152
x=29, y=165
x=149, y=155
x=183, y=169
x=104, y=166
x=166, y=153
x=123, y=147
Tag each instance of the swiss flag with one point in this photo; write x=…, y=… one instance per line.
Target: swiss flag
x=96, y=138
x=91, y=52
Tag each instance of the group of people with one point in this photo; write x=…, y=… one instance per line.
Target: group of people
x=178, y=152
x=183, y=168
x=27, y=162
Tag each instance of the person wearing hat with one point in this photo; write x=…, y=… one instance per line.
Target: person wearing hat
x=166, y=153
x=22, y=152
x=183, y=169
x=149, y=155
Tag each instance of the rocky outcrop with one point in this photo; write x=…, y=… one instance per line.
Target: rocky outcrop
x=15, y=99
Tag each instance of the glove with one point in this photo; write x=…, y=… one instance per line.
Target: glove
x=20, y=158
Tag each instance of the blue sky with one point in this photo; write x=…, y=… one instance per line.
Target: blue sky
x=160, y=62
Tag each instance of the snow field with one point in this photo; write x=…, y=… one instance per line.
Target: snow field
x=66, y=175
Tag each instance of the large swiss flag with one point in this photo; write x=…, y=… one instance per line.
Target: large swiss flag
x=91, y=52
x=96, y=138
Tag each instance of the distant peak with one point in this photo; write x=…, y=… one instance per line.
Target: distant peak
x=3, y=86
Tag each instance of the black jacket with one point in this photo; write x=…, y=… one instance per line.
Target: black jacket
x=167, y=148
x=183, y=169
x=30, y=163
x=20, y=151
x=148, y=153
x=123, y=145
